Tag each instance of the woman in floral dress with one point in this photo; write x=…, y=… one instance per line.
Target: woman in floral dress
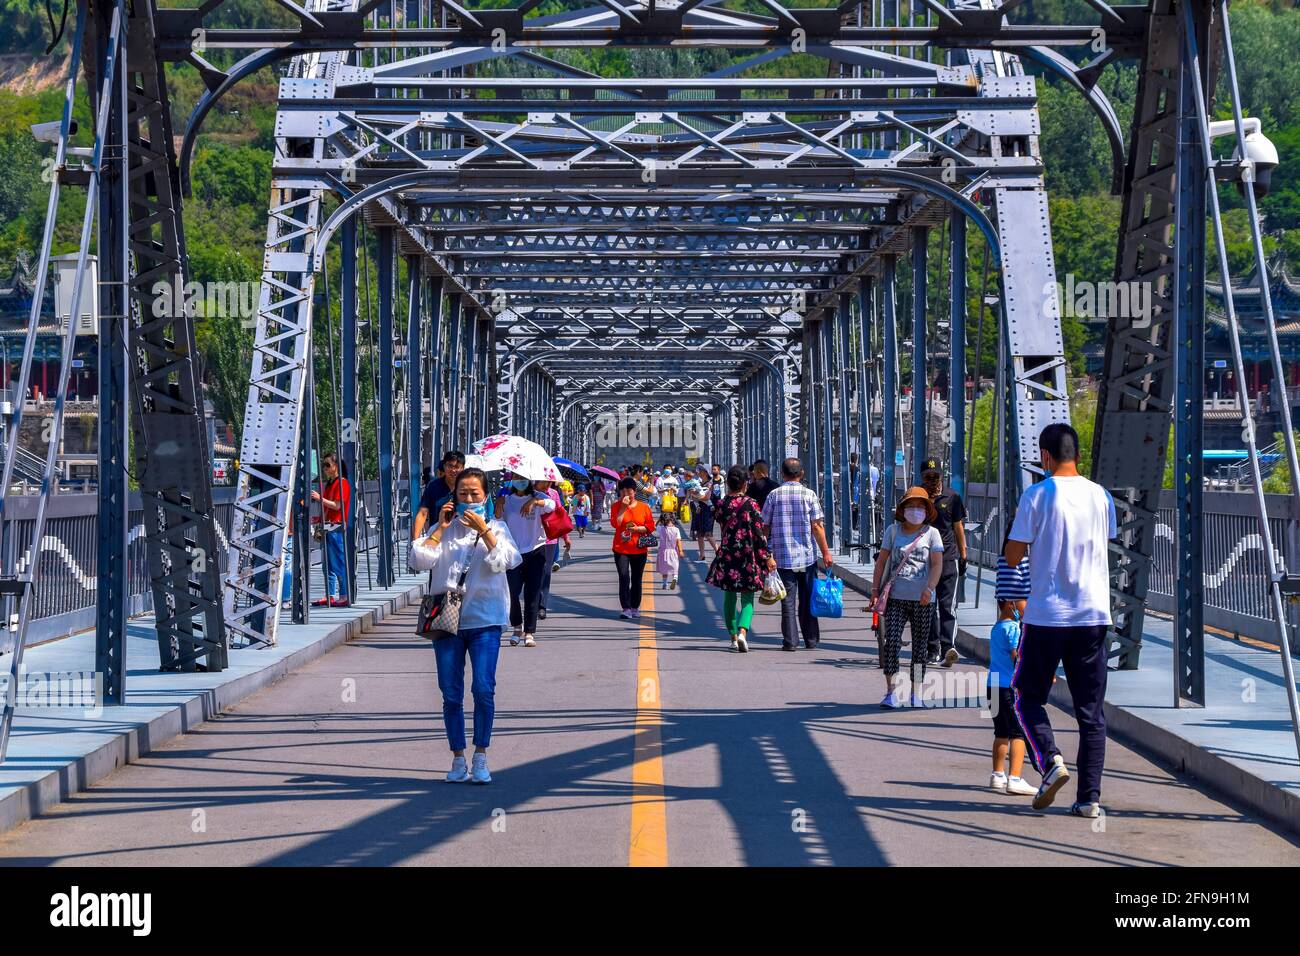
x=742, y=557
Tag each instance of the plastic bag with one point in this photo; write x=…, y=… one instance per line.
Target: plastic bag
x=827, y=596
x=773, y=589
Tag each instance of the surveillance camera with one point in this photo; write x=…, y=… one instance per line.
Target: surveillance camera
x=1259, y=150
x=1263, y=155
x=49, y=132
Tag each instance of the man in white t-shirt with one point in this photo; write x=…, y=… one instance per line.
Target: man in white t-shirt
x=1065, y=523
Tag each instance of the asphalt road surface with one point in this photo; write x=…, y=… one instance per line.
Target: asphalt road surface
x=621, y=743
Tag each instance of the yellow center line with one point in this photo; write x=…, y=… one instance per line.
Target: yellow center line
x=648, y=841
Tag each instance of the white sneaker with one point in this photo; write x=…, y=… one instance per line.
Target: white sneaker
x=892, y=701
x=998, y=781
x=917, y=700
x=742, y=642
x=635, y=612
x=480, y=772
x=1091, y=810
x=459, y=773
x=1020, y=787
x=1053, y=780
x=555, y=566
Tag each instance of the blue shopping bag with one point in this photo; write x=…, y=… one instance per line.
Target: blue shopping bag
x=827, y=596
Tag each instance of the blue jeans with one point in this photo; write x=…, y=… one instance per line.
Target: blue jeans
x=483, y=645
x=286, y=579
x=552, y=550
x=336, y=569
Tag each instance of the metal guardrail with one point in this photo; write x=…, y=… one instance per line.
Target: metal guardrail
x=64, y=598
x=1236, y=580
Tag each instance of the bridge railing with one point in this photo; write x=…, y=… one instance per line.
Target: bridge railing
x=1236, y=582
x=64, y=599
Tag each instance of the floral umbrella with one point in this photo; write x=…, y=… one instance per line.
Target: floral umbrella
x=517, y=455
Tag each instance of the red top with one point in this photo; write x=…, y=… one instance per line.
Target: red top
x=332, y=491
x=639, y=514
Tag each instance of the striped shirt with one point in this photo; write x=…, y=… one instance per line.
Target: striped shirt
x=1013, y=583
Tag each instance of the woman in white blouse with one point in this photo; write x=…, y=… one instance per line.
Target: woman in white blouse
x=463, y=534
x=521, y=506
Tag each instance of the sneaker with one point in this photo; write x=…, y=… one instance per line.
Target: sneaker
x=789, y=647
x=742, y=642
x=1020, y=787
x=950, y=658
x=1090, y=810
x=459, y=772
x=625, y=614
x=480, y=771
x=734, y=646
x=528, y=641
x=516, y=637
x=1055, y=778
x=672, y=585
x=892, y=701
x=555, y=566
x=998, y=781
x=635, y=612
x=932, y=659
x=541, y=614
x=917, y=700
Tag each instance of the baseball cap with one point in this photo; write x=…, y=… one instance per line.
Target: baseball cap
x=931, y=464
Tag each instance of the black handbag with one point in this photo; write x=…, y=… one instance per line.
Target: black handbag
x=440, y=613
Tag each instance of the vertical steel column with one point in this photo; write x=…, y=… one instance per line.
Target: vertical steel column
x=957, y=355
x=920, y=442
x=387, y=574
x=412, y=370
x=889, y=393
x=436, y=369
x=471, y=380
x=842, y=368
x=111, y=524
x=826, y=353
x=864, y=417
x=1189, y=358
x=456, y=316
x=349, y=418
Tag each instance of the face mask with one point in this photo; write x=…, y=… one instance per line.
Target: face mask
x=914, y=515
x=479, y=508
x=520, y=484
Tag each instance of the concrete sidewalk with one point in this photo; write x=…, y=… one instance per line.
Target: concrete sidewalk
x=58, y=751
x=1241, y=743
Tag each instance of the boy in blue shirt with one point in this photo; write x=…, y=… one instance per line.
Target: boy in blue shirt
x=1004, y=645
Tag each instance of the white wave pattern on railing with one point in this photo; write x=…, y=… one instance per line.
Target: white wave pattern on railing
x=1251, y=542
x=52, y=545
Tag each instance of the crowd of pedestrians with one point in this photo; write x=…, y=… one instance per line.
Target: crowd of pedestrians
x=769, y=538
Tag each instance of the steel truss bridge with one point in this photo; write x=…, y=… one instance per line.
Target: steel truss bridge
x=553, y=244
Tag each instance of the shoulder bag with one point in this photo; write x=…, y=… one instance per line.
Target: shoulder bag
x=882, y=600
x=440, y=613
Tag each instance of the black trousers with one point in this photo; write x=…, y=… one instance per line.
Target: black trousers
x=943, y=628
x=1083, y=652
x=526, y=582
x=631, y=568
x=796, y=609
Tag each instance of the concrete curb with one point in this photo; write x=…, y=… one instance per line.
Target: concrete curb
x=1228, y=781
x=25, y=802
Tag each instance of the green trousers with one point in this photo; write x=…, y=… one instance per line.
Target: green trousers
x=738, y=610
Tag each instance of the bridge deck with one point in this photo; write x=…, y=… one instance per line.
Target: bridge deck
x=747, y=746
